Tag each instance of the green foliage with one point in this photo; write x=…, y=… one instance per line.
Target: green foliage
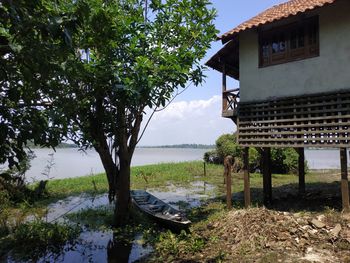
x=5, y=204
x=174, y=244
x=13, y=183
x=31, y=48
x=131, y=64
x=226, y=144
x=211, y=157
x=32, y=240
x=254, y=159
x=88, y=69
x=170, y=247
x=284, y=160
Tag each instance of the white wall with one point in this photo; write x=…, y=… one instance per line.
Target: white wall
x=328, y=72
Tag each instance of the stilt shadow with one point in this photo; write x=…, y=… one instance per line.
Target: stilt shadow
x=317, y=197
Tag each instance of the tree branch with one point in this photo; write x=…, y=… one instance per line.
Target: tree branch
x=135, y=131
x=148, y=121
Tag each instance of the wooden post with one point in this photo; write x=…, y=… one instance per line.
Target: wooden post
x=301, y=170
x=204, y=169
x=344, y=179
x=224, y=78
x=228, y=162
x=224, y=88
x=267, y=176
x=246, y=177
x=229, y=190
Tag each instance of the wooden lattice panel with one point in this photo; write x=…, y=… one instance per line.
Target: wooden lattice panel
x=321, y=120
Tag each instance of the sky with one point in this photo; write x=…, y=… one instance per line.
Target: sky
x=195, y=115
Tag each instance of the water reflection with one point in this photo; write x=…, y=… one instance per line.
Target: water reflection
x=105, y=246
x=118, y=251
x=121, y=250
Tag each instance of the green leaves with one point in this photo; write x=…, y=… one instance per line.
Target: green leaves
x=33, y=42
x=48, y=92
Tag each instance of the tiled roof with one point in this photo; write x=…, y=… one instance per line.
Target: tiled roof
x=274, y=13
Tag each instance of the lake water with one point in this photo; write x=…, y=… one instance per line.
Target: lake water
x=72, y=163
x=101, y=245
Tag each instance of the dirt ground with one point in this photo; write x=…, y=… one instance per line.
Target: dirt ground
x=309, y=228
x=262, y=235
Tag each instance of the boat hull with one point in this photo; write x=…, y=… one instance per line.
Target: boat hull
x=159, y=211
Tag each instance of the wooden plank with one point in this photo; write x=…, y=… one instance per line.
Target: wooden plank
x=267, y=176
x=228, y=162
x=282, y=139
x=320, y=119
x=224, y=98
x=335, y=117
x=299, y=126
x=301, y=170
x=344, y=179
x=258, y=108
x=257, y=133
x=326, y=96
x=298, y=105
x=246, y=177
x=284, y=145
x=231, y=90
x=287, y=114
x=228, y=113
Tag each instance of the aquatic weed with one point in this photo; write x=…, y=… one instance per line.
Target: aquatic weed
x=98, y=218
x=34, y=239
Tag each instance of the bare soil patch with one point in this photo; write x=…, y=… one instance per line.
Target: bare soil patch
x=263, y=235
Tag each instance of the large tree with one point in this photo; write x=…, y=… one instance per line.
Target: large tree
x=129, y=56
x=92, y=67
x=33, y=44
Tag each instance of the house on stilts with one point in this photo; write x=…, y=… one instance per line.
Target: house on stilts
x=293, y=64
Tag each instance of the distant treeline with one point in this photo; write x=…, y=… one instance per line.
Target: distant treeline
x=188, y=146
x=61, y=145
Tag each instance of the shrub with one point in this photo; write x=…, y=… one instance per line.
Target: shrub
x=284, y=160
x=212, y=157
x=13, y=182
x=227, y=145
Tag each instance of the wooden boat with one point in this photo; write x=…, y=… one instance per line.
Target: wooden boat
x=160, y=211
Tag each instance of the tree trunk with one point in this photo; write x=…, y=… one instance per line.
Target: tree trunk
x=110, y=169
x=121, y=215
x=102, y=147
x=120, y=188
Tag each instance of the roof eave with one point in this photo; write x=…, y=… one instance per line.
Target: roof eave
x=218, y=60
x=226, y=37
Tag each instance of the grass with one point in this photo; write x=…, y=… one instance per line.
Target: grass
x=160, y=176
x=148, y=176
x=165, y=177
x=168, y=246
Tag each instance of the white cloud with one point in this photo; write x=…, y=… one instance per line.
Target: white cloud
x=197, y=121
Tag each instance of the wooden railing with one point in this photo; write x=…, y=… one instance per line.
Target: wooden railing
x=230, y=100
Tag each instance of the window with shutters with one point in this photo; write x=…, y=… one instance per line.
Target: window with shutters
x=289, y=43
